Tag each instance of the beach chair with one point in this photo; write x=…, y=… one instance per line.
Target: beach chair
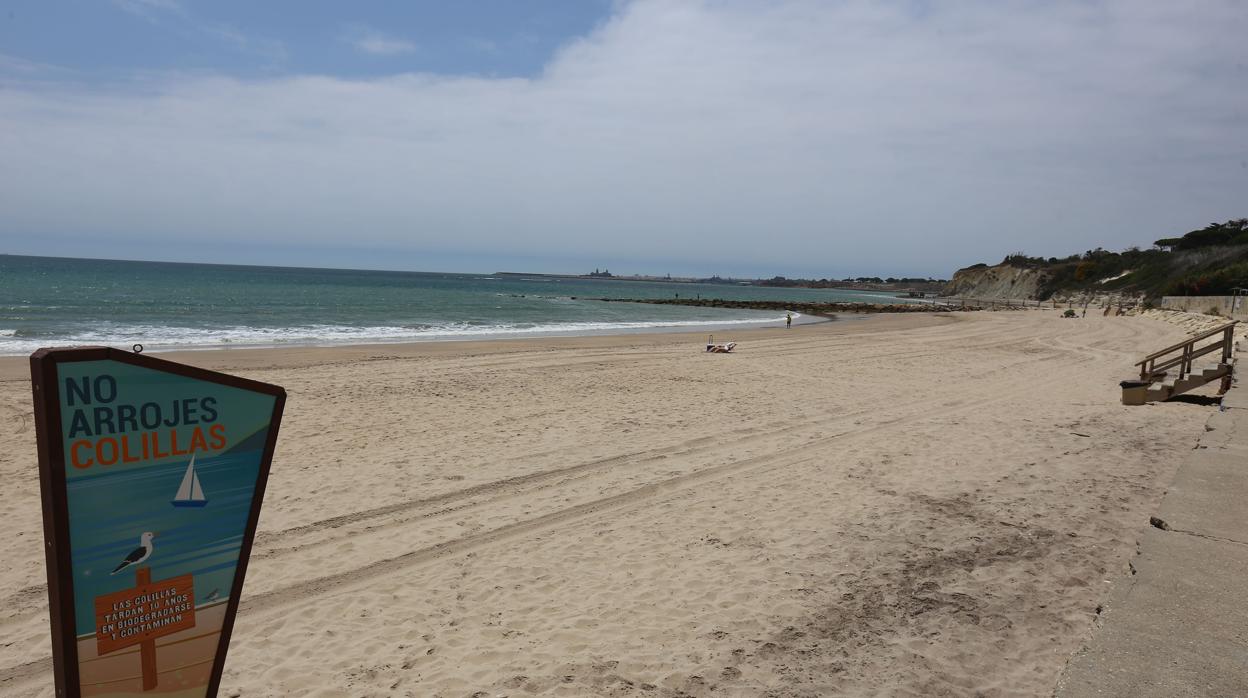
x=713, y=348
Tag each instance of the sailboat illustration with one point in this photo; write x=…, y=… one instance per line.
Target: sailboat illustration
x=190, y=494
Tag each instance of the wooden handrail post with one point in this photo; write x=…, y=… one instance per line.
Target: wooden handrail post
x=147, y=648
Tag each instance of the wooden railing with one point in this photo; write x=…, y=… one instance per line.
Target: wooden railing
x=1154, y=366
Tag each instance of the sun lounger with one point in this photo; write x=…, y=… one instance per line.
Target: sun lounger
x=714, y=348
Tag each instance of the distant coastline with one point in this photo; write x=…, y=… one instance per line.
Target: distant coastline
x=618, y=277
x=860, y=284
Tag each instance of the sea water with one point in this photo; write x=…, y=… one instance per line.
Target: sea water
x=48, y=301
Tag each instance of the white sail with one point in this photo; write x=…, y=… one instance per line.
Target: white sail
x=189, y=483
x=190, y=494
x=196, y=491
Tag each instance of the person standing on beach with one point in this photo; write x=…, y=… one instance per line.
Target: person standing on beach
x=788, y=320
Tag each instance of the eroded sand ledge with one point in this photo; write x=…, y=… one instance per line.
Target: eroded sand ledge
x=905, y=505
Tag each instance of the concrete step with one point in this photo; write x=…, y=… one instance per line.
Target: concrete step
x=1198, y=378
x=1205, y=373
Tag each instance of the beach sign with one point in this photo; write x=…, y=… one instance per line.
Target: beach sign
x=152, y=474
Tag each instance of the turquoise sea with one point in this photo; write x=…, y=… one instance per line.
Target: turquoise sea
x=47, y=301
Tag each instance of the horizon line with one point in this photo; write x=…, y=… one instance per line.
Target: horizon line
x=463, y=273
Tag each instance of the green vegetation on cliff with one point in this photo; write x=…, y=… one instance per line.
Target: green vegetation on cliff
x=1211, y=261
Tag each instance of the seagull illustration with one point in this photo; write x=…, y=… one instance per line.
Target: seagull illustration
x=213, y=595
x=140, y=554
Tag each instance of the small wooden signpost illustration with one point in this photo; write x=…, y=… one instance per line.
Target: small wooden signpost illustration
x=142, y=613
x=145, y=563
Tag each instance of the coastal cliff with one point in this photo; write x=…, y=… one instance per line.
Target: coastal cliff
x=1000, y=281
x=1206, y=262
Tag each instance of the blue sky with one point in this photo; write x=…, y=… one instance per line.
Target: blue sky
x=105, y=41
x=796, y=137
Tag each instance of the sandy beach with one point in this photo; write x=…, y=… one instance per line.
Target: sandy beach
x=909, y=505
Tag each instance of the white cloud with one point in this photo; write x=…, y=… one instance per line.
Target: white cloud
x=375, y=43
x=148, y=9
x=853, y=137
x=13, y=66
x=269, y=49
x=178, y=16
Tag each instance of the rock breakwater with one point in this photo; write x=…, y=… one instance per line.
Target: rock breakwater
x=804, y=307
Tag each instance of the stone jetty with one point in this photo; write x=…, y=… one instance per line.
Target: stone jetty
x=804, y=307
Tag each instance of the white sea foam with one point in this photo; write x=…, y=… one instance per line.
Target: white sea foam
x=165, y=337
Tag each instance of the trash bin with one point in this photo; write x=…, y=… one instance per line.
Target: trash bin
x=1134, y=392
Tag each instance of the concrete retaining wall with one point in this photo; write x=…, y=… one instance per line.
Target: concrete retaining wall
x=1174, y=627
x=1230, y=306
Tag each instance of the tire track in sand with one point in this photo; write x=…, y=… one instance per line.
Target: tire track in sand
x=27, y=600
x=302, y=591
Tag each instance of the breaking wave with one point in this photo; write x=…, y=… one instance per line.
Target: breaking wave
x=169, y=337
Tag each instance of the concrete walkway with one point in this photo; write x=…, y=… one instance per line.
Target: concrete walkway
x=1179, y=625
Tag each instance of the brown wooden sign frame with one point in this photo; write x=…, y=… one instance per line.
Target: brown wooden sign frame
x=52, y=486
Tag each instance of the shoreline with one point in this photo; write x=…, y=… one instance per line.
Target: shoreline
x=622, y=328
x=227, y=357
